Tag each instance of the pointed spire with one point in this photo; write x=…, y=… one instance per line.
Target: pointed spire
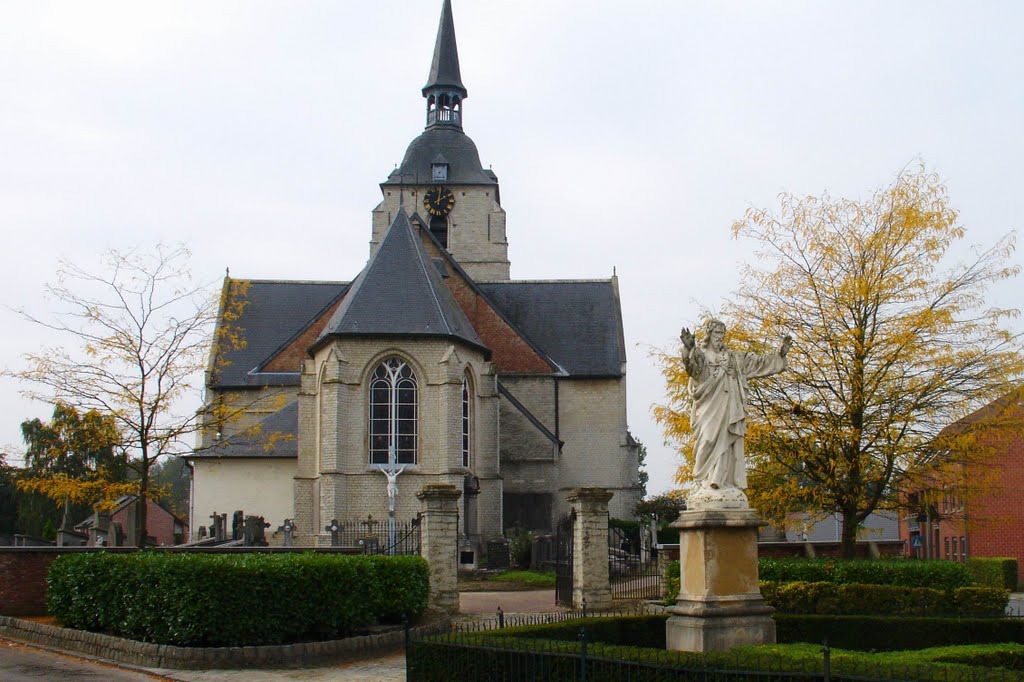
x=444, y=89
x=444, y=69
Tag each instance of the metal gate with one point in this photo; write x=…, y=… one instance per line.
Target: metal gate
x=563, y=559
x=632, y=568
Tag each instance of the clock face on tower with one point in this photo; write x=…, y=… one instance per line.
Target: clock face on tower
x=439, y=201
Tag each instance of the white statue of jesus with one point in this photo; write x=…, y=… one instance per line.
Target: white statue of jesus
x=718, y=387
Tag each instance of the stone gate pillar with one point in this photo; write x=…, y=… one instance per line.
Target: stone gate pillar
x=590, y=578
x=439, y=528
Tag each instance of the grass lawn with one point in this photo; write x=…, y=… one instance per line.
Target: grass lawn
x=508, y=581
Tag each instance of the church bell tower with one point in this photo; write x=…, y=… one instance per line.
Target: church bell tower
x=441, y=183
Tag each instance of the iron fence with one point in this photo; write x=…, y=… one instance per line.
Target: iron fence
x=372, y=536
x=477, y=650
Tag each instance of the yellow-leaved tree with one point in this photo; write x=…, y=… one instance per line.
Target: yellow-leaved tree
x=893, y=342
x=139, y=333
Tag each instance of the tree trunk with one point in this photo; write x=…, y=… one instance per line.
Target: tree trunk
x=141, y=532
x=847, y=543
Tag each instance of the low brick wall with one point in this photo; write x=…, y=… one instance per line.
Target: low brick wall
x=23, y=570
x=202, y=658
x=23, y=580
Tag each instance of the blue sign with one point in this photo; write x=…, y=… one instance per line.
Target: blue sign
x=916, y=541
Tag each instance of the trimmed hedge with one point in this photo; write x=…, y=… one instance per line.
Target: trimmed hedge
x=879, y=633
x=998, y=572
x=937, y=574
x=552, y=652
x=883, y=600
x=234, y=600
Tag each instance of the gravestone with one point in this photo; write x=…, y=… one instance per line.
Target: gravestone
x=498, y=555
x=288, y=530
x=254, y=531
x=238, y=525
x=202, y=532
x=334, y=528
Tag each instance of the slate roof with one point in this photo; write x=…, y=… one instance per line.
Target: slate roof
x=400, y=293
x=444, y=68
x=276, y=438
x=464, y=167
x=274, y=313
x=578, y=324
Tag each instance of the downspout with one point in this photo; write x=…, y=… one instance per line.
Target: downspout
x=558, y=435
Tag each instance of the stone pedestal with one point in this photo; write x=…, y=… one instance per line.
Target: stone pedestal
x=719, y=604
x=590, y=579
x=439, y=529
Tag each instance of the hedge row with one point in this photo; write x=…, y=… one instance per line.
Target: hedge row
x=879, y=633
x=234, y=600
x=1000, y=572
x=941, y=575
x=553, y=652
x=882, y=600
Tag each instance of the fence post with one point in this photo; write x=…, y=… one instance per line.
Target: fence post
x=501, y=618
x=405, y=629
x=828, y=660
x=583, y=654
x=439, y=543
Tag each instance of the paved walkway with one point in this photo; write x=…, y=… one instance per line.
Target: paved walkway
x=43, y=664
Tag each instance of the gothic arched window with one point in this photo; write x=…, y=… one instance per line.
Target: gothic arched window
x=393, y=412
x=466, y=421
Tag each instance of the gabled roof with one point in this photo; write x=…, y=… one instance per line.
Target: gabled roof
x=273, y=314
x=444, y=68
x=400, y=293
x=274, y=437
x=577, y=323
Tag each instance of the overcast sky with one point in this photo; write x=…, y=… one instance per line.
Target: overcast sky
x=625, y=135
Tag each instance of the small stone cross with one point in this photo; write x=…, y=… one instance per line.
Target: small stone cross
x=334, y=528
x=288, y=528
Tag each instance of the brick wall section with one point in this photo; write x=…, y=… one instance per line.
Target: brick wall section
x=991, y=520
x=997, y=528
x=23, y=580
x=291, y=356
x=159, y=523
x=511, y=352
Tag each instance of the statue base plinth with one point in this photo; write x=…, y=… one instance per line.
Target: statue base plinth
x=717, y=498
x=719, y=604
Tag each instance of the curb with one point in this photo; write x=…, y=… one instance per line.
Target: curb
x=161, y=656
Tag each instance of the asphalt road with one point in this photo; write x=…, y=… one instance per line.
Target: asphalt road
x=21, y=663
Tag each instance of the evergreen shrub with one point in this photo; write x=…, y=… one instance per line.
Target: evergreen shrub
x=881, y=633
x=882, y=600
x=998, y=572
x=188, y=599
x=937, y=574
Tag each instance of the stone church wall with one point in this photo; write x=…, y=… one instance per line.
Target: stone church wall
x=336, y=448
x=597, y=450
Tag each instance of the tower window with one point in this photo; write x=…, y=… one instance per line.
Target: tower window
x=439, y=172
x=439, y=228
x=393, y=412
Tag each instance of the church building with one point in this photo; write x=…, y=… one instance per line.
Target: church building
x=431, y=361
